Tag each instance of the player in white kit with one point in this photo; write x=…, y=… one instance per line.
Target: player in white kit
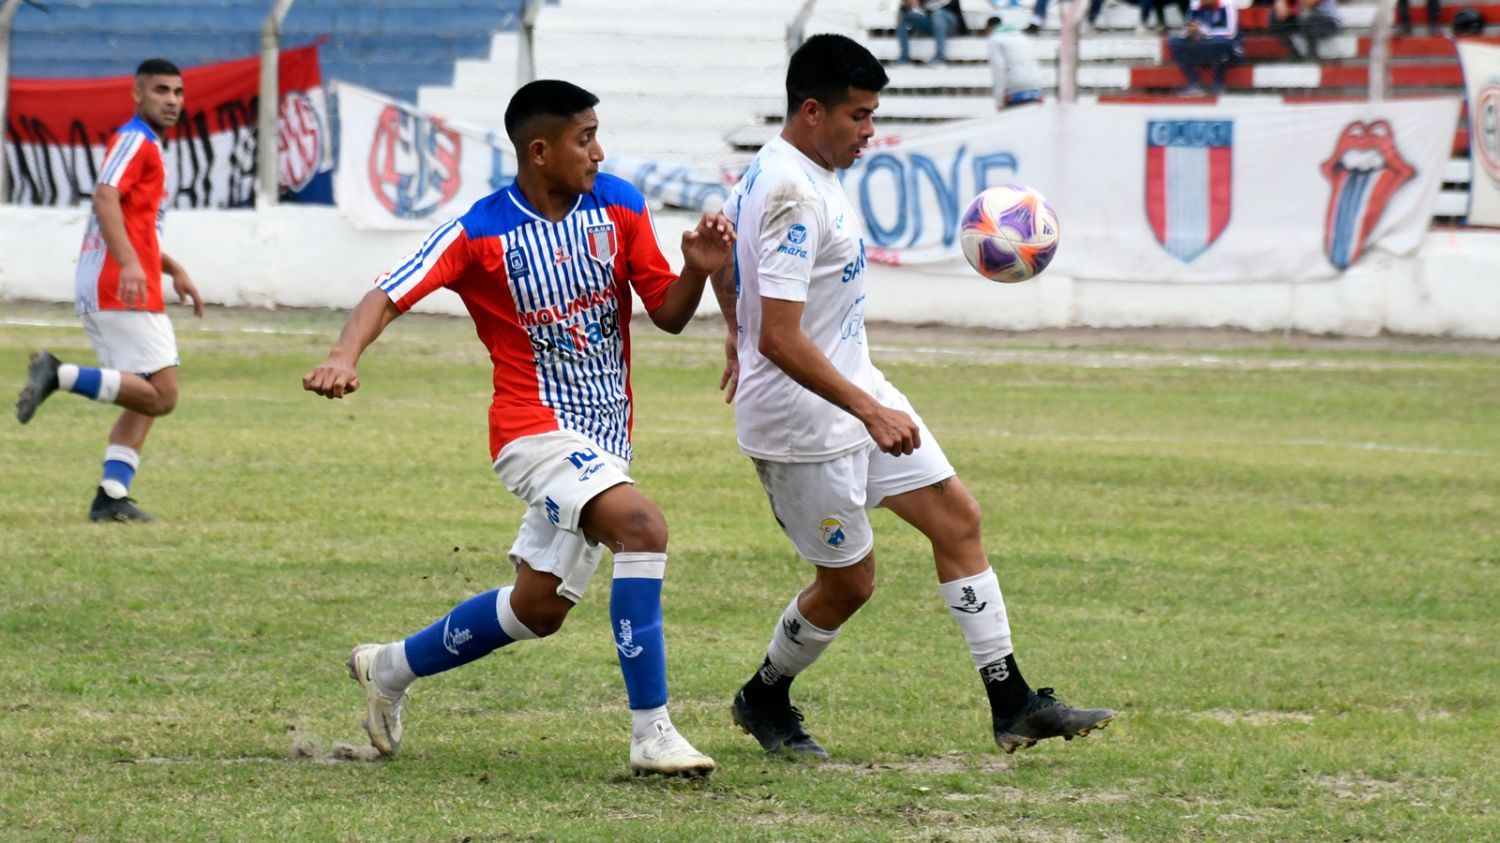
x=829, y=436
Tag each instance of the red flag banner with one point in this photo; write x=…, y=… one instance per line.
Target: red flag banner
x=56, y=131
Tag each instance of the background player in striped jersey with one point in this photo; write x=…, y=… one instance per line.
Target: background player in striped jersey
x=830, y=437
x=118, y=294
x=546, y=268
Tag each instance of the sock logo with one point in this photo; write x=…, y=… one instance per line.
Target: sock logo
x=626, y=643
x=792, y=627
x=995, y=671
x=769, y=674
x=969, y=602
x=453, y=639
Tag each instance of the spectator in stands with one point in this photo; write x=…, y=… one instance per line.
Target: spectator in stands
x=1314, y=20
x=1013, y=65
x=1211, y=39
x=1160, y=7
x=1403, y=14
x=924, y=17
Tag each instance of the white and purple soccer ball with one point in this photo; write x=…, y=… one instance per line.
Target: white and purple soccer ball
x=1009, y=233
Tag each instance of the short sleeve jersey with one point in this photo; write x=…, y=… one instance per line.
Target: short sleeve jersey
x=133, y=165
x=551, y=301
x=798, y=240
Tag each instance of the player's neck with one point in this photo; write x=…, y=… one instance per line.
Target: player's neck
x=157, y=128
x=550, y=203
x=805, y=146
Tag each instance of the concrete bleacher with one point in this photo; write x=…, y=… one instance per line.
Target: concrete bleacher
x=393, y=46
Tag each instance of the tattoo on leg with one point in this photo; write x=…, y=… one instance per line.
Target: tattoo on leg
x=942, y=485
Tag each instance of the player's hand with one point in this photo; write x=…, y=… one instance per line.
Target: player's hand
x=331, y=379
x=133, y=286
x=730, y=380
x=186, y=290
x=894, y=432
x=705, y=248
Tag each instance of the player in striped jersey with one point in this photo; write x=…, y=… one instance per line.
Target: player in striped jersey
x=547, y=268
x=118, y=294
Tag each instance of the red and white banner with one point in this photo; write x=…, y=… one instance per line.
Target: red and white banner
x=57, y=129
x=1481, y=63
x=402, y=168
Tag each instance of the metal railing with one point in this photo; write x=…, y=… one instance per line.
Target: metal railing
x=7, y=14
x=267, y=190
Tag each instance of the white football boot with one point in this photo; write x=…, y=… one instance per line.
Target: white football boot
x=665, y=752
x=382, y=713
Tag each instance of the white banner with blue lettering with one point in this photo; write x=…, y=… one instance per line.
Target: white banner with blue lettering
x=402, y=168
x=1232, y=193
x=1481, y=63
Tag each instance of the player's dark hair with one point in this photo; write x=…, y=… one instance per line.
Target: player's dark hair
x=825, y=67
x=544, y=98
x=157, y=67
x=993, y=23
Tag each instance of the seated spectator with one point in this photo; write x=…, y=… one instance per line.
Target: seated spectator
x=924, y=17
x=1403, y=15
x=1211, y=39
x=1013, y=65
x=1314, y=21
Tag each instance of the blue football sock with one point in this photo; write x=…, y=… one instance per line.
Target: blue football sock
x=635, y=612
x=472, y=630
x=120, y=464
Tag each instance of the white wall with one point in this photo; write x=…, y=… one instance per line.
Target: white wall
x=310, y=257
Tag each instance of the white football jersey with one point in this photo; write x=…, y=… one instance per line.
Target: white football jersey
x=798, y=240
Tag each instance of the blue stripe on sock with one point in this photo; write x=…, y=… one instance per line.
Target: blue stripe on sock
x=635, y=612
x=88, y=382
x=471, y=631
x=120, y=472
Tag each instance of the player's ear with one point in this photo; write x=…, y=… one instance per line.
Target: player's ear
x=536, y=150
x=812, y=111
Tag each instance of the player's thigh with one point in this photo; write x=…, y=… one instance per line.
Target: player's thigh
x=821, y=506
x=132, y=341
x=557, y=474
x=894, y=475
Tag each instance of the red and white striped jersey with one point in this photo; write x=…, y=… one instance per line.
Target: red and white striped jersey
x=551, y=301
x=133, y=165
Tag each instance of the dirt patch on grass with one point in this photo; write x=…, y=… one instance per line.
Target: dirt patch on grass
x=936, y=765
x=1255, y=718
x=305, y=747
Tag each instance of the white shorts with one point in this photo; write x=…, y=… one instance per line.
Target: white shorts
x=557, y=473
x=132, y=340
x=822, y=506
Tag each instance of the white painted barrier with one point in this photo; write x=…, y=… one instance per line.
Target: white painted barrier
x=292, y=256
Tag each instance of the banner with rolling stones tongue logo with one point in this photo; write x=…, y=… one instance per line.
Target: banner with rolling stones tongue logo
x=56, y=131
x=1481, y=63
x=1230, y=193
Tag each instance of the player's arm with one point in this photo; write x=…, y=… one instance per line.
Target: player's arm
x=704, y=249
x=112, y=225
x=182, y=283
x=723, y=281
x=336, y=377
x=783, y=343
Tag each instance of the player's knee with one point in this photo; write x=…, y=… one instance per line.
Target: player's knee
x=165, y=404
x=544, y=619
x=852, y=594
x=642, y=529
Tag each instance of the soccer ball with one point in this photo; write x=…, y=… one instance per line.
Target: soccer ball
x=1009, y=233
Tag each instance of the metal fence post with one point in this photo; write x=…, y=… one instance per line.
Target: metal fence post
x=525, y=56
x=1067, y=51
x=266, y=188
x=1380, y=51
x=7, y=14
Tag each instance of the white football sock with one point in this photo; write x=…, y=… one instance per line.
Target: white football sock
x=796, y=643
x=109, y=386
x=979, y=610
x=392, y=674
x=641, y=720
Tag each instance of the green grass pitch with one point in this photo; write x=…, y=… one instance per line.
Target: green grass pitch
x=1279, y=562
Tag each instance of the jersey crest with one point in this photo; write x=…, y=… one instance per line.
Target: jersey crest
x=602, y=244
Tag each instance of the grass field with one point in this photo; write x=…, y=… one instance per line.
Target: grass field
x=1278, y=562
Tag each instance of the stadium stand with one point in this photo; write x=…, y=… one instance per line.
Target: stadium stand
x=392, y=46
